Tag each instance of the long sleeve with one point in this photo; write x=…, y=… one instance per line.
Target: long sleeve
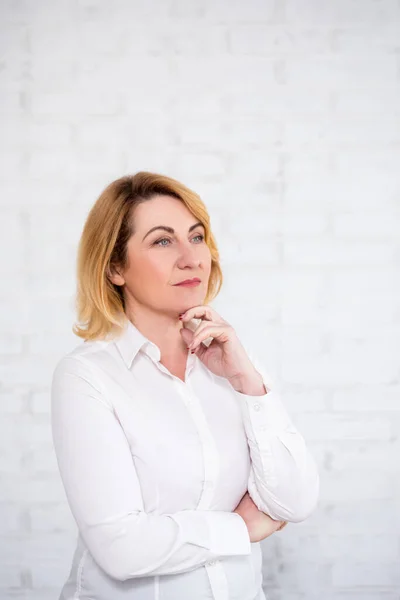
x=104, y=495
x=284, y=479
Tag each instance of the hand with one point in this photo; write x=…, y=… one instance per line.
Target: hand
x=259, y=524
x=225, y=356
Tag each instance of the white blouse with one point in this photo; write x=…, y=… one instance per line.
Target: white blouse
x=153, y=467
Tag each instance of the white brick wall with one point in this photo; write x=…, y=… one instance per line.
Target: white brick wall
x=285, y=116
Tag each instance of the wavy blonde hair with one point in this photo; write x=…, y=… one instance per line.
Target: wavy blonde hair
x=99, y=303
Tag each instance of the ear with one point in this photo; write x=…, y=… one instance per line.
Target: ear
x=114, y=275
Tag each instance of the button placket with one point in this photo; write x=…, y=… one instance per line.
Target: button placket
x=209, y=448
x=218, y=581
x=189, y=365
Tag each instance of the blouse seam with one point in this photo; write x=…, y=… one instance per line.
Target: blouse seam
x=93, y=368
x=79, y=579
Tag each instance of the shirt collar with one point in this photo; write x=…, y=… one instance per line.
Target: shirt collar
x=131, y=341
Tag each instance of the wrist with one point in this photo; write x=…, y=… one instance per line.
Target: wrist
x=250, y=385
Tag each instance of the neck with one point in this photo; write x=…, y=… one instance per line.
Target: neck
x=161, y=328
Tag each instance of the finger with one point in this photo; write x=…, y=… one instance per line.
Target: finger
x=199, y=326
x=204, y=331
x=218, y=332
x=202, y=325
x=200, y=350
x=202, y=311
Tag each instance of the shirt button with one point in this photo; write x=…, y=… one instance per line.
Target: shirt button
x=256, y=406
x=211, y=563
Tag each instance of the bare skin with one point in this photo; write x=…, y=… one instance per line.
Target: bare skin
x=259, y=525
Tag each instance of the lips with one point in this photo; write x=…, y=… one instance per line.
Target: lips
x=189, y=281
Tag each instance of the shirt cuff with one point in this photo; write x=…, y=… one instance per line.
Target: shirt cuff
x=228, y=533
x=223, y=533
x=266, y=412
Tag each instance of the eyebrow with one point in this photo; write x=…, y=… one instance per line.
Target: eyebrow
x=171, y=230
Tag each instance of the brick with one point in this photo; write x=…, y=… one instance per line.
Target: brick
x=12, y=520
x=260, y=39
x=368, y=400
x=344, y=12
x=12, y=403
x=369, y=39
x=382, y=100
x=326, y=426
x=368, y=574
x=342, y=72
x=254, y=11
x=51, y=518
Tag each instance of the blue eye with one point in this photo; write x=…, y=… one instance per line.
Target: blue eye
x=199, y=236
x=158, y=242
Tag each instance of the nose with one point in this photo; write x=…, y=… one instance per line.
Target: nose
x=188, y=256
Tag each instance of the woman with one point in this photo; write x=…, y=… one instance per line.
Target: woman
x=175, y=451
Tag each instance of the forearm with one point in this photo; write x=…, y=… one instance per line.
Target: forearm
x=170, y=544
x=251, y=385
x=284, y=481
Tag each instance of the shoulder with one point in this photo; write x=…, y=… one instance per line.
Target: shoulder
x=79, y=380
x=84, y=361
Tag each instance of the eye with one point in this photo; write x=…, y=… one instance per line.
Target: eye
x=199, y=236
x=158, y=242
x=162, y=240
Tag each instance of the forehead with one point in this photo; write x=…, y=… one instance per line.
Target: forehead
x=161, y=210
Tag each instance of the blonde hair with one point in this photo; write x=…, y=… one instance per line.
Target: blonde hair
x=103, y=243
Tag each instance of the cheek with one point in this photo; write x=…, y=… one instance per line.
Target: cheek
x=146, y=270
x=207, y=258
x=155, y=268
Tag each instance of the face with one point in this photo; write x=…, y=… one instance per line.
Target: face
x=159, y=259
